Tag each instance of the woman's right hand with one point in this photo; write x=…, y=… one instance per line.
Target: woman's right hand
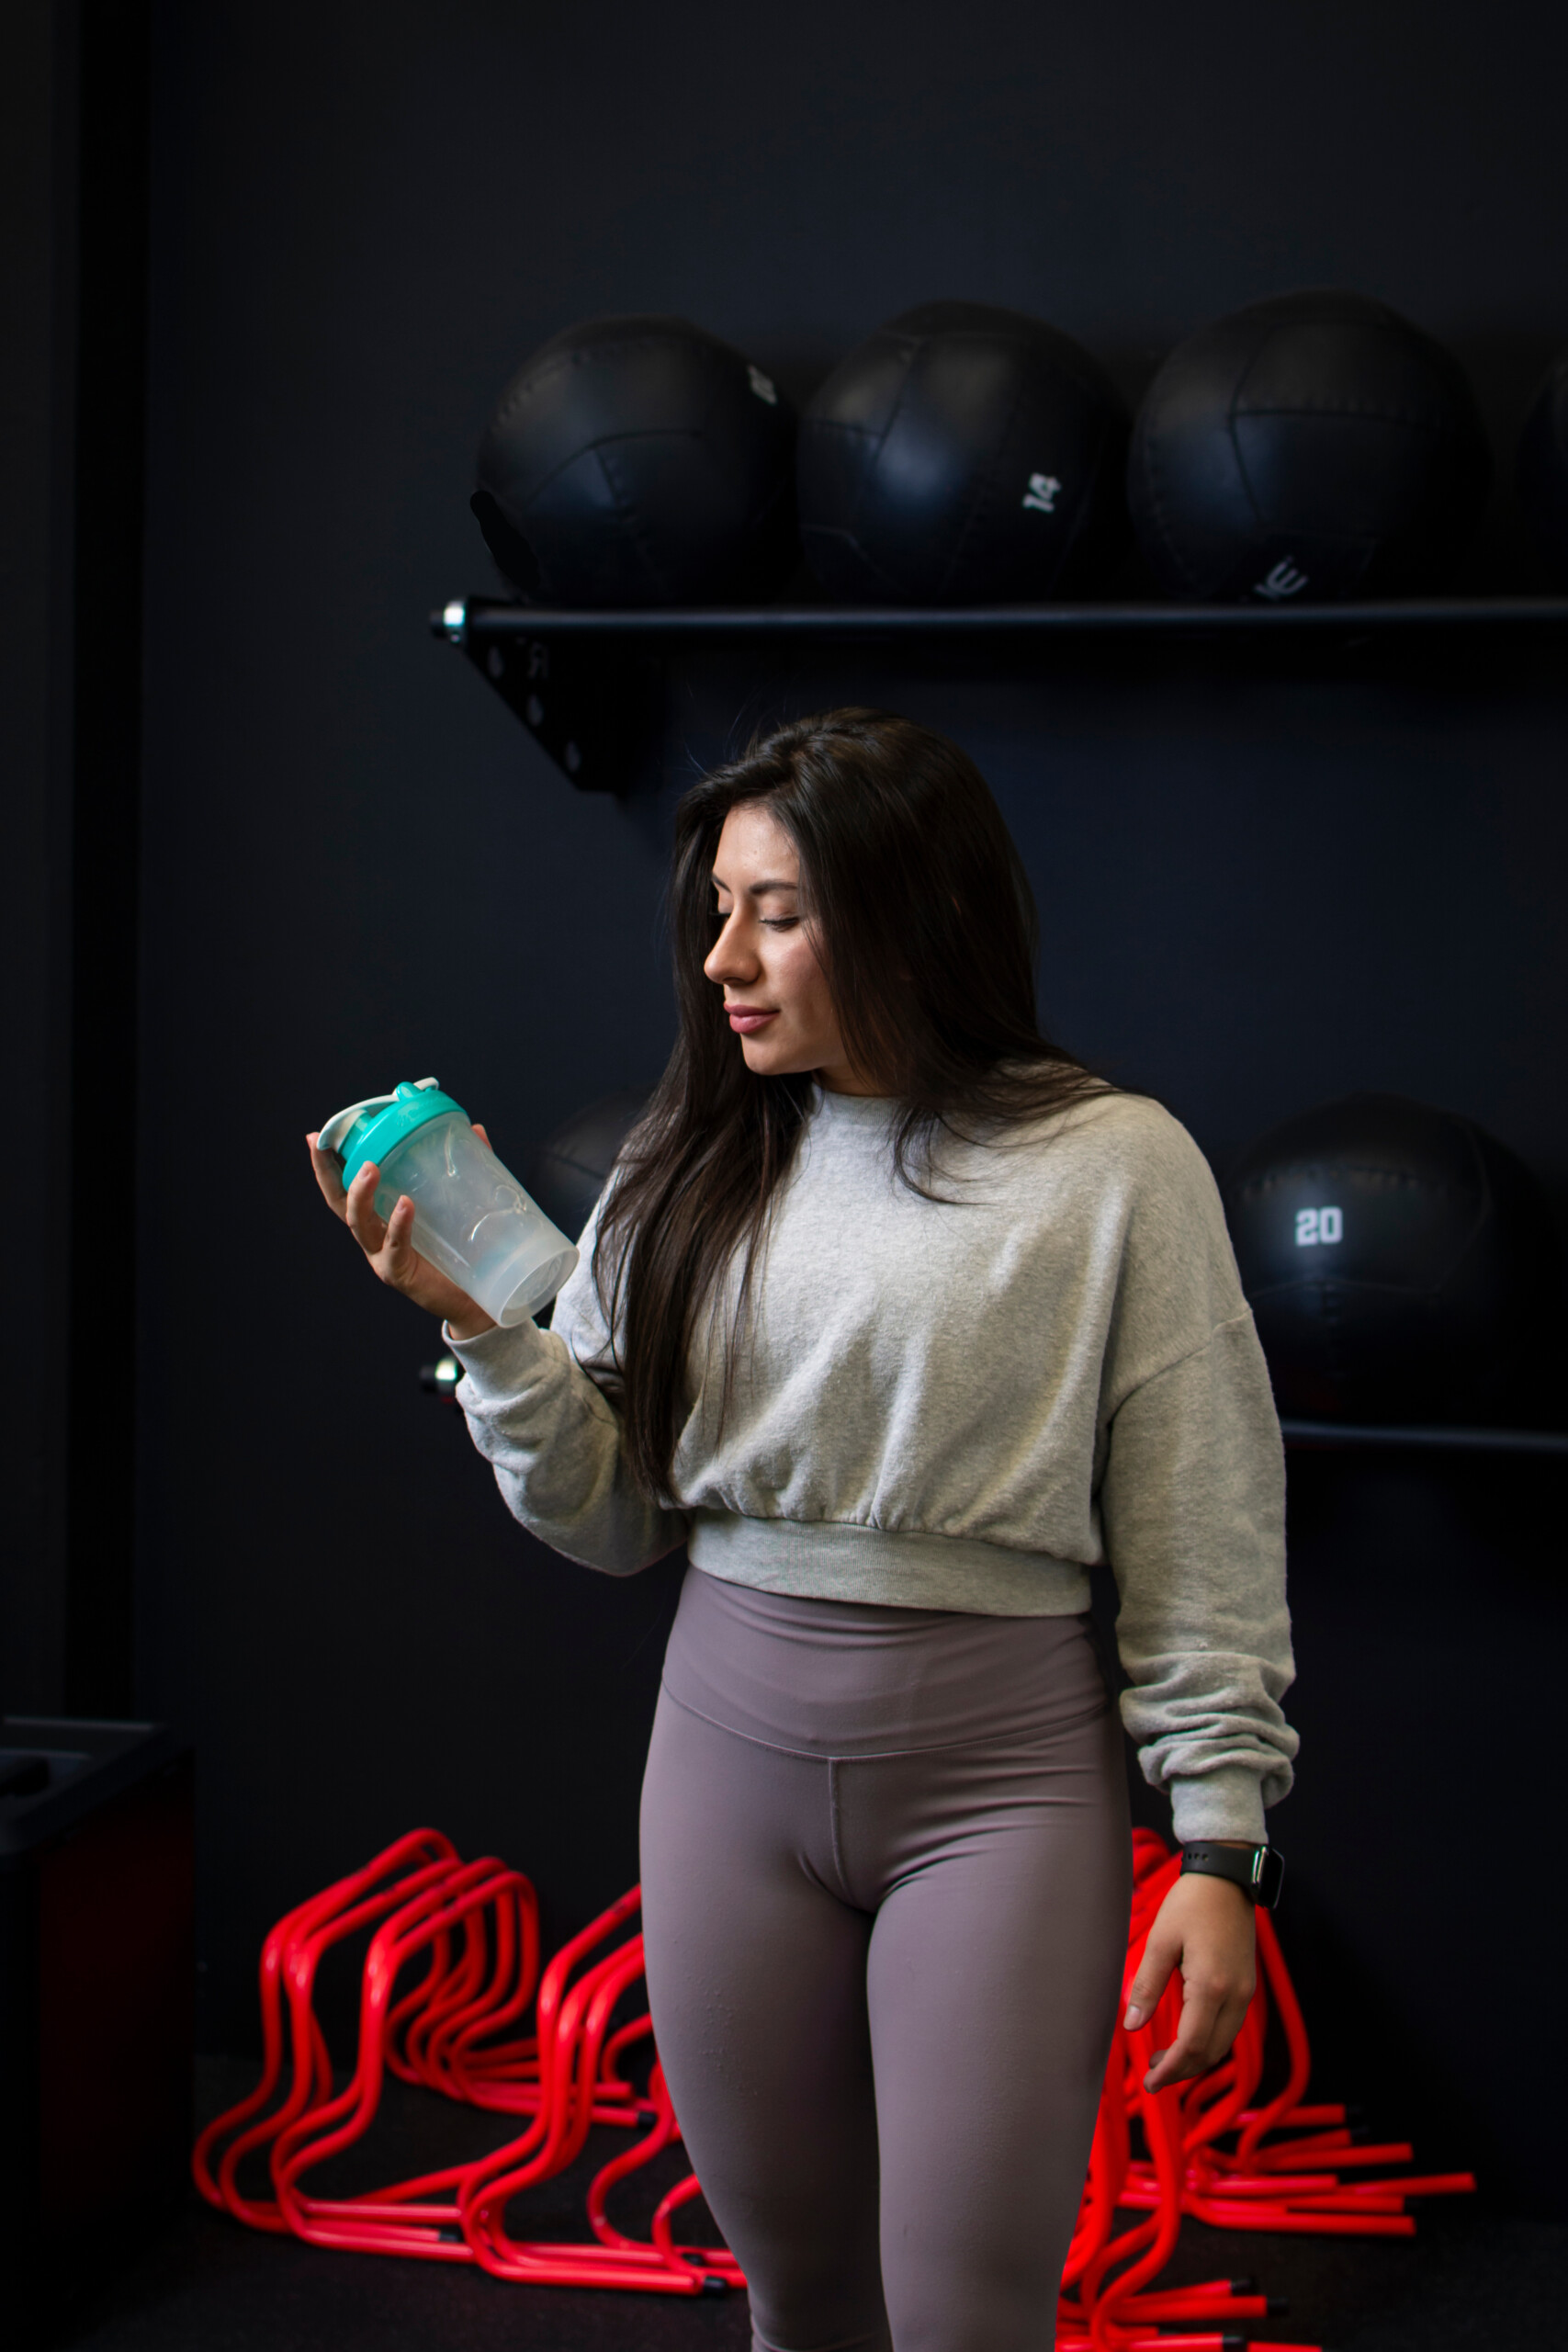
x=392, y=1255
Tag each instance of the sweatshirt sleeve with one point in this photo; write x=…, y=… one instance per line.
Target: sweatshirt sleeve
x=1192, y=1506
x=555, y=1439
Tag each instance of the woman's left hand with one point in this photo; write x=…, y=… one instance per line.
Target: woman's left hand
x=1205, y=1928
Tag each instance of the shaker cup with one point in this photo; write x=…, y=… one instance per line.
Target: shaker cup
x=471, y=1217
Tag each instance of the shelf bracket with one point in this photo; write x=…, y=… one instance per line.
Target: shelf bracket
x=596, y=709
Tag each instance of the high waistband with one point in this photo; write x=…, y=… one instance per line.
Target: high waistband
x=839, y=1560
x=843, y=1678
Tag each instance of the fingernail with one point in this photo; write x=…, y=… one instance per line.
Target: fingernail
x=1134, y=2019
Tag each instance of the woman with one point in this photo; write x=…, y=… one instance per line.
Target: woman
x=900, y=1320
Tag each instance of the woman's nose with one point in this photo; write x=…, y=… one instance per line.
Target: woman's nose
x=729, y=958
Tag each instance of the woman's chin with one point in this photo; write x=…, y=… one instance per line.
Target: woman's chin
x=768, y=1057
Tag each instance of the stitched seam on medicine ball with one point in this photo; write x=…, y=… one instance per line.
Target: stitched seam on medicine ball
x=585, y=355
x=1160, y=511
x=513, y=401
x=880, y=439
x=531, y=378
x=825, y=424
x=1354, y=410
x=629, y=519
x=1088, y=508
x=1232, y=411
x=607, y=441
x=845, y=532
x=983, y=495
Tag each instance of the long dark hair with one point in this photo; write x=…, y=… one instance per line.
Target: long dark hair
x=923, y=921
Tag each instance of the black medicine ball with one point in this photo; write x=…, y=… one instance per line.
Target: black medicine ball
x=964, y=455
x=1542, y=477
x=1399, y=1263
x=567, y=1172
x=1310, y=447
x=639, y=461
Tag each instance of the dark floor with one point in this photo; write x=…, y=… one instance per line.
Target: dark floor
x=1471, y=2281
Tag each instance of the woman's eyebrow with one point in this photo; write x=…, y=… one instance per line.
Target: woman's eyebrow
x=755, y=889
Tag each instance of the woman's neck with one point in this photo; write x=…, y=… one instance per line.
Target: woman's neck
x=843, y=1077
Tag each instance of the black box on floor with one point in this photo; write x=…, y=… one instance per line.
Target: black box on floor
x=97, y=1973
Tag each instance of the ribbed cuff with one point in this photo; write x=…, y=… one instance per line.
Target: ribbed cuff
x=1225, y=1803
x=501, y=1361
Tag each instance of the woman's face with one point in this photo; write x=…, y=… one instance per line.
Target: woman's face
x=763, y=959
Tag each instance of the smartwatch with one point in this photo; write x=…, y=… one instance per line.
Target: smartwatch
x=1258, y=1870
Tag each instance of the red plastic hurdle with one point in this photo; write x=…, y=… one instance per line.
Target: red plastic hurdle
x=1285, y=2170
x=477, y=1923
x=1212, y=2148
x=421, y=1859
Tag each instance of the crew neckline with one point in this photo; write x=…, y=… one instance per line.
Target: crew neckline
x=854, y=1110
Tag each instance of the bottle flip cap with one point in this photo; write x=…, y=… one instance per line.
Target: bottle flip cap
x=372, y=1129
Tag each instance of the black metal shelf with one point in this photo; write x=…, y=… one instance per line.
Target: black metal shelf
x=1357, y=1437
x=477, y=619
x=590, y=685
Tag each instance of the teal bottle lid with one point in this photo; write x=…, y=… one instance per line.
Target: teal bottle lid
x=373, y=1129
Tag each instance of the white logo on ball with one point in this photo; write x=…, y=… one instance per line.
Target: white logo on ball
x=1284, y=580
x=1314, y=1225
x=1043, y=494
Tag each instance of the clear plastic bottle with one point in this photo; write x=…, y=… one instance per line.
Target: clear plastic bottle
x=471, y=1217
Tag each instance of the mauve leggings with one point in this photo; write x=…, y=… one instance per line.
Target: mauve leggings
x=886, y=1883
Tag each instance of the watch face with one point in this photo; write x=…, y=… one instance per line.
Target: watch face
x=1268, y=1876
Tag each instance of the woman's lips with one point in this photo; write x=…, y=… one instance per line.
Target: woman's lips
x=743, y=1019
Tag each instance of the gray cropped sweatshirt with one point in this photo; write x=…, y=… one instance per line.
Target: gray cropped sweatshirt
x=966, y=1404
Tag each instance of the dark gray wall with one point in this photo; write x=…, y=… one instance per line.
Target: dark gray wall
x=34, y=926
x=73, y=130
x=357, y=867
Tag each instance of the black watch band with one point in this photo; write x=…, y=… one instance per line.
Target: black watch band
x=1258, y=1870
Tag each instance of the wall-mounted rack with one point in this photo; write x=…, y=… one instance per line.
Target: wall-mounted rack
x=590, y=686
